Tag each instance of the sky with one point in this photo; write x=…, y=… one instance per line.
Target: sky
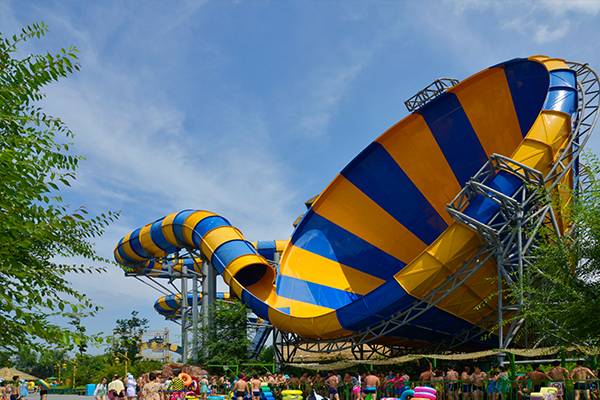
x=248, y=108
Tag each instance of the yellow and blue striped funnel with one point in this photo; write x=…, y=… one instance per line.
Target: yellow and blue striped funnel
x=379, y=238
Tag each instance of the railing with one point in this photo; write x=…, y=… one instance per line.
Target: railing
x=507, y=389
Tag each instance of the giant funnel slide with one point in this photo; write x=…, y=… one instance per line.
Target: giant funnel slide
x=379, y=238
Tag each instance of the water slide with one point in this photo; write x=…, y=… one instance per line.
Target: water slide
x=169, y=306
x=379, y=237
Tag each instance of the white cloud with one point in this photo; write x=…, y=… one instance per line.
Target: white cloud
x=546, y=33
x=142, y=157
x=328, y=88
x=561, y=7
x=545, y=20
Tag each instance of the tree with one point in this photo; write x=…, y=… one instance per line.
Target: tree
x=127, y=335
x=228, y=343
x=39, y=233
x=562, y=287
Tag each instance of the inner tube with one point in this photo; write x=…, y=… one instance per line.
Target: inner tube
x=406, y=393
x=187, y=380
x=291, y=392
x=425, y=389
x=425, y=395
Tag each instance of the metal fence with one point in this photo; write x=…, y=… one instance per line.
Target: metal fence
x=504, y=389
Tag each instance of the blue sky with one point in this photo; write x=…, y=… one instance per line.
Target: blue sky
x=248, y=108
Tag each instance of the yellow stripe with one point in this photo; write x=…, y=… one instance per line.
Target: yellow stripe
x=126, y=246
x=546, y=137
x=241, y=262
x=324, y=326
x=147, y=244
x=442, y=259
x=280, y=245
x=551, y=64
x=409, y=142
x=167, y=229
x=345, y=205
x=190, y=223
x=118, y=256
x=314, y=268
x=216, y=237
x=487, y=101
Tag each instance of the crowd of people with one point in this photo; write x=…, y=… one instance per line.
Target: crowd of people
x=451, y=383
x=17, y=388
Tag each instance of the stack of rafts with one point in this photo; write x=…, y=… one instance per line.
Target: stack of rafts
x=379, y=238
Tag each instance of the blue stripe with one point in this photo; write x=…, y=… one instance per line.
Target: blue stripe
x=562, y=95
x=380, y=303
x=157, y=236
x=266, y=249
x=455, y=136
x=178, y=222
x=528, y=83
x=314, y=293
x=122, y=253
x=285, y=310
x=229, y=251
x=390, y=298
x=377, y=175
x=483, y=208
x=206, y=225
x=321, y=236
x=259, y=307
x=136, y=246
x=171, y=302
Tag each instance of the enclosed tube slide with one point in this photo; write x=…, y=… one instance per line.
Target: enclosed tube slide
x=379, y=238
x=169, y=306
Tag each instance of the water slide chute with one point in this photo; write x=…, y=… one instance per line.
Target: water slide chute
x=379, y=237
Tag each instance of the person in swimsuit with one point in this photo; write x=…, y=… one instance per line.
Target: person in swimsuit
x=492, y=386
x=558, y=375
x=451, y=383
x=372, y=382
x=466, y=387
x=478, y=377
x=426, y=376
x=537, y=377
x=255, y=382
x=241, y=388
x=580, y=375
x=332, y=383
x=204, y=387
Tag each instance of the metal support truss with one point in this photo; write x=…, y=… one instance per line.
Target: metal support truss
x=509, y=237
x=428, y=93
x=515, y=246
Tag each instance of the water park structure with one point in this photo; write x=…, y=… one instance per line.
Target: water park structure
x=415, y=242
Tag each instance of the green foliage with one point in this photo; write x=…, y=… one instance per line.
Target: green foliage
x=228, y=344
x=267, y=355
x=127, y=335
x=41, y=363
x=562, y=288
x=37, y=229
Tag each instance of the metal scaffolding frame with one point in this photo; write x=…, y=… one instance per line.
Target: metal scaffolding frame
x=429, y=92
x=509, y=238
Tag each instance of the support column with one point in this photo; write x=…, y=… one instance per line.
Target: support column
x=278, y=349
x=195, y=338
x=184, y=307
x=211, y=277
x=205, y=305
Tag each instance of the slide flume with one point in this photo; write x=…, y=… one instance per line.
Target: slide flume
x=379, y=238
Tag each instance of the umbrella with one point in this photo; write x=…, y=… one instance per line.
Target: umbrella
x=8, y=373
